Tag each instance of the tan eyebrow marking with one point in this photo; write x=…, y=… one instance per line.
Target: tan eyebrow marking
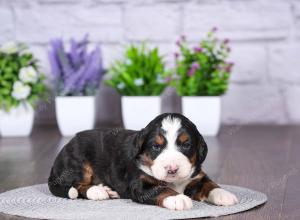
x=146, y=160
x=159, y=140
x=183, y=137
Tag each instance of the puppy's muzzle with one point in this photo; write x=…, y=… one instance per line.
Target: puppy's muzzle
x=172, y=169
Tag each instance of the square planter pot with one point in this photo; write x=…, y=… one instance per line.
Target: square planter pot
x=138, y=111
x=75, y=113
x=204, y=112
x=17, y=122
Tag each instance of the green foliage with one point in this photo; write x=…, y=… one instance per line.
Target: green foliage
x=203, y=70
x=11, y=62
x=140, y=73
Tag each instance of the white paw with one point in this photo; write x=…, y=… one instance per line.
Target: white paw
x=112, y=194
x=73, y=193
x=220, y=196
x=178, y=202
x=97, y=193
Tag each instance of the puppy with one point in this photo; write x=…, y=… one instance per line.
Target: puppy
x=158, y=165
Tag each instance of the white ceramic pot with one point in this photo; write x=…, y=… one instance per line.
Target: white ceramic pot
x=138, y=111
x=75, y=113
x=204, y=112
x=17, y=122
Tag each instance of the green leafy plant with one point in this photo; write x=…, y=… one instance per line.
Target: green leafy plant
x=202, y=70
x=140, y=73
x=20, y=80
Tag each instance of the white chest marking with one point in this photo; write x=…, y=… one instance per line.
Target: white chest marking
x=179, y=187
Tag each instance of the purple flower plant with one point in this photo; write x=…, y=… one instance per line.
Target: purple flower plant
x=183, y=38
x=76, y=72
x=226, y=41
x=203, y=69
x=194, y=67
x=214, y=29
x=229, y=66
x=198, y=49
x=168, y=78
x=191, y=72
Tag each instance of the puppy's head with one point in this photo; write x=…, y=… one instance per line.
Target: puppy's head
x=172, y=148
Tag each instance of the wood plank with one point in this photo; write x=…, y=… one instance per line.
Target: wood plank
x=258, y=159
x=25, y=161
x=291, y=204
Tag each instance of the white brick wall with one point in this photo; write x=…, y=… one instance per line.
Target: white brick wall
x=158, y=22
x=38, y=23
x=254, y=103
x=240, y=20
x=265, y=39
x=250, y=63
x=284, y=63
x=7, y=23
x=293, y=105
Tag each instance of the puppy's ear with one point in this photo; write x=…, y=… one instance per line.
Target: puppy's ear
x=201, y=154
x=135, y=144
x=202, y=147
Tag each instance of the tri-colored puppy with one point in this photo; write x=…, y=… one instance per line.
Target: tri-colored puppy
x=159, y=165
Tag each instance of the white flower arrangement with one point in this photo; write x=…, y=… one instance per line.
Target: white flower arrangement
x=9, y=47
x=28, y=74
x=20, y=80
x=20, y=90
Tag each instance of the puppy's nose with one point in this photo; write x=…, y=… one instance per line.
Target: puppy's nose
x=172, y=169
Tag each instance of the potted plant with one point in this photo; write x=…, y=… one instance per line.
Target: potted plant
x=139, y=78
x=76, y=75
x=201, y=78
x=21, y=86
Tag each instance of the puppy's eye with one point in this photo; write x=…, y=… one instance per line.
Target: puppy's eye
x=186, y=146
x=156, y=147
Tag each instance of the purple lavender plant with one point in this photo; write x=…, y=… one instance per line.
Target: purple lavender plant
x=76, y=72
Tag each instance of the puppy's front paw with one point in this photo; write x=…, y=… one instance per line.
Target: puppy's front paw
x=178, y=202
x=220, y=196
x=97, y=193
x=112, y=194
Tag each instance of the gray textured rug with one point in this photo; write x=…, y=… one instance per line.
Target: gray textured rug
x=37, y=202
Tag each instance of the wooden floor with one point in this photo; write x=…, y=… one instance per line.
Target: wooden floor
x=263, y=158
